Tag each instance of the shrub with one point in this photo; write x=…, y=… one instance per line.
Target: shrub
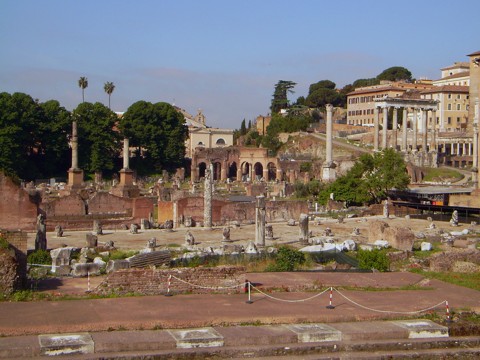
x=4, y=243
x=39, y=257
x=374, y=259
x=287, y=259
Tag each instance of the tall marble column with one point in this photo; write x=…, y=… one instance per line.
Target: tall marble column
x=415, y=130
x=207, y=198
x=395, y=128
x=376, y=128
x=329, y=131
x=260, y=213
x=329, y=166
x=475, y=144
x=75, y=174
x=404, y=130
x=74, y=145
x=424, y=128
x=126, y=153
x=433, y=142
x=385, y=127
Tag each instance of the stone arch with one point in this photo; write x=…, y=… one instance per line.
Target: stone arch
x=245, y=170
x=217, y=170
x=272, y=171
x=220, y=142
x=201, y=169
x=258, y=171
x=232, y=171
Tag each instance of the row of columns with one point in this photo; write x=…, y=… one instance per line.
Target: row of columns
x=394, y=144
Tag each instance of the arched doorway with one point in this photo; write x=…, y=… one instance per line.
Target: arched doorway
x=201, y=170
x=232, y=171
x=258, y=171
x=245, y=172
x=272, y=171
x=217, y=170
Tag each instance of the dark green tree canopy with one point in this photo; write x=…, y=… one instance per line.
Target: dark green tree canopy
x=322, y=93
x=370, y=179
x=280, y=99
x=98, y=143
x=395, y=73
x=159, y=133
x=322, y=84
x=33, y=137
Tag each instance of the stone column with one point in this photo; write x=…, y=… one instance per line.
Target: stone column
x=303, y=224
x=433, y=143
x=385, y=127
x=207, y=198
x=328, y=165
x=239, y=172
x=260, y=221
x=265, y=173
x=75, y=174
x=74, y=145
x=394, y=128
x=126, y=175
x=424, y=126
x=415, y=130
x=404, y=130
x=329, y=157
x=126, y=154
x=223, y=171
x=376, y=128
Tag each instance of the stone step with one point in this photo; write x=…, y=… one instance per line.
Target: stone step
x=66, y=344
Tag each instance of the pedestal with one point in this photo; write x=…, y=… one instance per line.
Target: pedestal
x=329, y=173
x=75, y=179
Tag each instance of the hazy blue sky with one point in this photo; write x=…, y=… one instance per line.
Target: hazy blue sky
x=218, y=55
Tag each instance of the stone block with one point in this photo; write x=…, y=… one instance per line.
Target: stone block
x=376, y=230
x=315, y=332
x=196, y=338
x=66, y=344
x=401, y=238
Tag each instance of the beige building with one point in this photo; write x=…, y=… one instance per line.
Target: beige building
x=452, y=113
x=262, y=123
x=361, y=102
x=199, y=135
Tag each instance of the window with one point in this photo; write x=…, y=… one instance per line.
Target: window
x=220, y=142
x=458, y=119
x=458, y=106
x=449, y=96
x=449, y=107
x=449, y=120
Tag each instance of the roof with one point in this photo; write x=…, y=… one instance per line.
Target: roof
x=475, y=53
x=375, y=90
x=447, y=89
x=457, y=65
x=455, y=76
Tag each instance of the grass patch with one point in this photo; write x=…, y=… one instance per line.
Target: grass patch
x=441, y=175
x=468, y=280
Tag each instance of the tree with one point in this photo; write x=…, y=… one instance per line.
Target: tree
x=395, y=73
x=243, y=128
x=158, y=132
x=322, y=84
x=109, y=87
x=83, y=84
x=365, y=82
x=370, y=179
x=323, y=96
x=280, y=99
x=98, y=143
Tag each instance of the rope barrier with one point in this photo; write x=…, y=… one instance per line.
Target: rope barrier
x=330, y=306
x=168, y=286
x=388, y=311
x=448, y=311
x=289, y=301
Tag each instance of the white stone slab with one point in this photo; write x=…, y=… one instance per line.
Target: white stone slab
x=195, y=338
x=66, y=344
x=315, y=332
x=422, y=328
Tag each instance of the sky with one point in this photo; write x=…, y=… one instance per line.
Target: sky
x=222, y=56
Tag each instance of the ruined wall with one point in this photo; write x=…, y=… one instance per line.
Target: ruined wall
x=17, y=209
x=71, y=205
x=104, y=203
x=142, y=207
x=464, y=200
x=223, y=211
x=13, y=261
x=194, y=280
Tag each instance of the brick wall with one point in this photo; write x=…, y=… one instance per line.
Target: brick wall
x=223, y=211
x=198, y=280
x=17, y=209
x=18, y=242
x=71, y=205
